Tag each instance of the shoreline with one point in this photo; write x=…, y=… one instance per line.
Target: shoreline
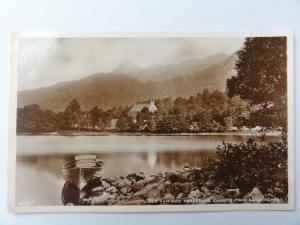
x=189, y=185
x=107, y=133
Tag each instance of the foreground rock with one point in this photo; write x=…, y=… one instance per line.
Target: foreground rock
x=188, y=186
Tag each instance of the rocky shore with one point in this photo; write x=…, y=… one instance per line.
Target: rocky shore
x=187, y=186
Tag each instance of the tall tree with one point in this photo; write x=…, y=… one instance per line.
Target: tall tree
x=72, y=113
x=95, y=114
x=262, y=76
x=261, y=70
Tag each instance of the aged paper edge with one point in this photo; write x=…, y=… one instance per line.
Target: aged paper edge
x=12, y=207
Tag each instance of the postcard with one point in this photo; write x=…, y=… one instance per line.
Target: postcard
x=151, y=122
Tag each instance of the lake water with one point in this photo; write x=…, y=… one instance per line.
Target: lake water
x=40, y=158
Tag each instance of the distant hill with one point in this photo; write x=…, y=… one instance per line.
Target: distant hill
x=163, y=72
x=128, y=84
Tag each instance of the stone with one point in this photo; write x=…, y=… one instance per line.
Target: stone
x=169, y=196
x=150, y=178
x=186, y=187
x=102, y=199
x=122, y=182
x=159, y=174
x=269, y=198
x=167, y=182
x=111, y=189
x=109, y=180
x=136, y=176
x=187, y=168
x=138, y=186
x=105, y=184
x=125, y=190
x=195, y=194
x=204, y=190
x=196, y=174
x=209, y=183
x=255, y=195
x=173, y=177
x=151, y=190
x=86, y=201
x=180, y=195
x=185, y=175
x=141, y=174
x=275, y=201
x=98, y=189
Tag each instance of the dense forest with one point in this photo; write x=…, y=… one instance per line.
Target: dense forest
x=256, y=96
x=207, y=111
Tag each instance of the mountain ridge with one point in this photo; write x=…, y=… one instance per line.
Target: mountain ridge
x=126, y=88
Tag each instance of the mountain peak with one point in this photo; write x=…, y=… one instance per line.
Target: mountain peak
x=127, y=67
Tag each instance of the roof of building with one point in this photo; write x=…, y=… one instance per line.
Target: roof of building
x=138, y=107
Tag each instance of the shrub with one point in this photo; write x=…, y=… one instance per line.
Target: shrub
x=249, y=164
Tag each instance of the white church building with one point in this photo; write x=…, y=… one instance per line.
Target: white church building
x=140, y=106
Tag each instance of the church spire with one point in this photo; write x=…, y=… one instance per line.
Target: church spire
x=152, y=108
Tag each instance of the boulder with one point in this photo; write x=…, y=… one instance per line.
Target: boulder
x=109, y=180
x=150, y=190
x=151, y=178
x=209, y=184
x=138, y=186
x=197, y=174
x=173, y=177
x=136, y=176
x=169, y=197
x=102, y=199
x=111, y=189
x=187, y=168
x=105, y=184
x=204, y=190
x=98, y=189
x=126, y=190
x=255, y=195
x=122, y=182
x=195, y=194
x=180, y=196
x=269, y=198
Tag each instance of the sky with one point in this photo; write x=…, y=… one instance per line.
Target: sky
x=46, y=61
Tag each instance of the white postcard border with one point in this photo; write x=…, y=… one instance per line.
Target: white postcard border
x=12, y=207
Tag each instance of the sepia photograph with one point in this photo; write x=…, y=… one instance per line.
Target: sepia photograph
x=148, y=122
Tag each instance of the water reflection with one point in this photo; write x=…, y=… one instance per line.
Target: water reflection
x=152, y=158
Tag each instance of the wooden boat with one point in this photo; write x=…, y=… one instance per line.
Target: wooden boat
x=82, y=169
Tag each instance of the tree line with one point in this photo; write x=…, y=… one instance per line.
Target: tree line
x=207, y=111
